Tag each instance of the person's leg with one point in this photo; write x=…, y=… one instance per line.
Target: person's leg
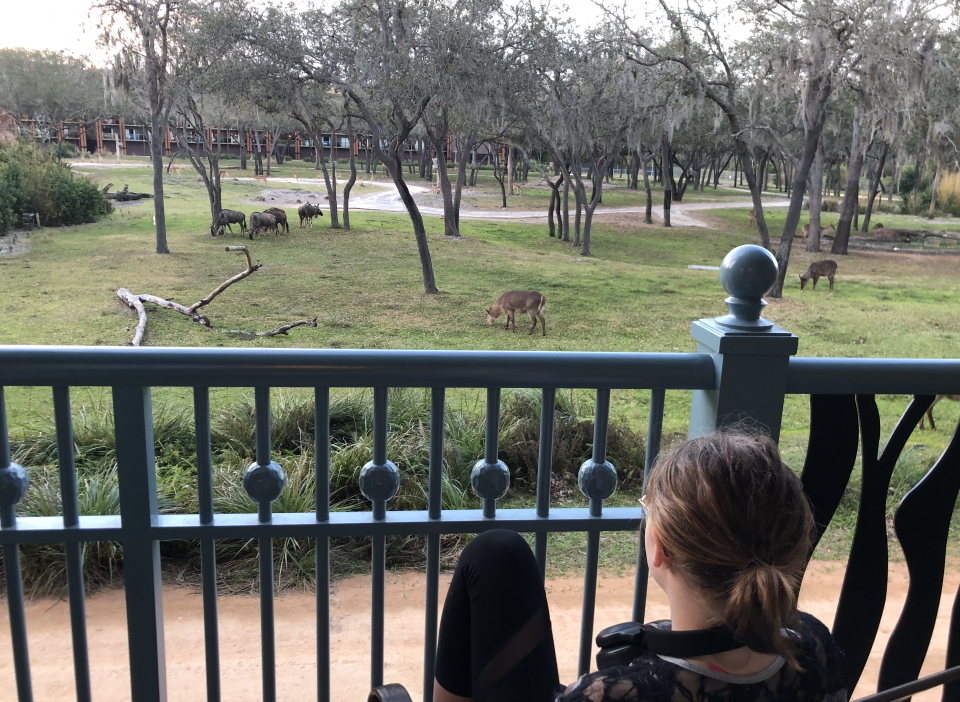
x=495, y=641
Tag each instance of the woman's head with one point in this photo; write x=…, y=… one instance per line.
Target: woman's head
x=735, y=524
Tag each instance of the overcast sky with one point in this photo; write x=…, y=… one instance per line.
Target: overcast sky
x=64, y=25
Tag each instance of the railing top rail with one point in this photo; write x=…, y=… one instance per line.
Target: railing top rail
x=888, y=376
x=232, y=367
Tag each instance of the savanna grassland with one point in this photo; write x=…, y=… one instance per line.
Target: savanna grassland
x=635, y=294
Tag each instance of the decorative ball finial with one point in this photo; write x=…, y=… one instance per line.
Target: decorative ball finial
x=264, y=483
x=490, y=480
x=14, y=483
x=379, y=481
x=597, y=480
x=747, y=273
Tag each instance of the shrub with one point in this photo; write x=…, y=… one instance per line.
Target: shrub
x=66, y=150
x=32, y=180
x=233, y=440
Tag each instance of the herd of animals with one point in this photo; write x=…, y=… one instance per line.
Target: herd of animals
x=271, y=219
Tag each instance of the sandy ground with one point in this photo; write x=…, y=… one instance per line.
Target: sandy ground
x=50, y=649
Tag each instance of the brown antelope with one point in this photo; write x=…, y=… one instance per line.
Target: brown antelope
x=223, y=174
x=295, y=178
x=929, y=413
x=517, y=190
x=805, y=233
x=260, y=178
x=817, y=269
x=513, y=301
x=437, y=189
x=175, y=170
x=828, y=231
x=752, y=218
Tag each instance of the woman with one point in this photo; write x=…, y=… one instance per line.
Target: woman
x=727, y=537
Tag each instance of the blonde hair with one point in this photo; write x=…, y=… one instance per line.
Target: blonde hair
x=735, y=520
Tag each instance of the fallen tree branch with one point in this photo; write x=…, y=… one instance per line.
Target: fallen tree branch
x=251, y=268
x=134, y=302
x=246, y=335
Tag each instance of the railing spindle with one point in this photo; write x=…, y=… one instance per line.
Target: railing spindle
x=434, y=507
x=490, y=477
x=137, y=471
x=264, y=481
x=322, y=452
x=379, y=481
x=71, y=519
x=16, y=485
x=208, y=557
x=654, y=436
x=544, y=473
x=597, y=480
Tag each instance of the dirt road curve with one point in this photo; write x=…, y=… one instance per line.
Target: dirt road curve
x=50, y=651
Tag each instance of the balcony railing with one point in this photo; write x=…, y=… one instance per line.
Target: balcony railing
x=743, y=370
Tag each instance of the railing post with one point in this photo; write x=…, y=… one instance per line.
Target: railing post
x=751, y=354
x=133, y=418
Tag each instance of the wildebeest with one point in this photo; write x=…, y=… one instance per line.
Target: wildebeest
x=817, y=269
x=260, y=221
x=225, y=219
x=281, y=217
x=307, y=212
x=513, y=301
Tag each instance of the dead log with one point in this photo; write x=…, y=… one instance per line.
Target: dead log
x=247, y=335
x=134, y=302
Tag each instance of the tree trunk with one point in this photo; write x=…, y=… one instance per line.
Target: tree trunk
x=462, y=158
x=331, y=190
x=579, y=197
x=851, y=193
x=438, y=138
x=158, y=123
x=648, y=215
x=933, y=192
x=819, y=93
x=816, y=199
x=348, y=186
x=666, y=162
x=875, y=185
x=242, y=137
x=510, y=168
x=565, y=218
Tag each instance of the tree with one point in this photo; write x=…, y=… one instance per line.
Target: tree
x=144, y=35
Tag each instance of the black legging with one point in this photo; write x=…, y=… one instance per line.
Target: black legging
x=496, y=643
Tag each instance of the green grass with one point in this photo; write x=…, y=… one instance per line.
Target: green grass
x=635, y=294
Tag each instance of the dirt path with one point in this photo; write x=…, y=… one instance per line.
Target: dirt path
x=50, y=651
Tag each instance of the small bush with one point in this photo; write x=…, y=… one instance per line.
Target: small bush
x=32, y=180
x=66, y=149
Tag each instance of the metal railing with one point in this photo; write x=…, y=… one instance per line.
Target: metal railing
x=743, y=369
x=130, y=373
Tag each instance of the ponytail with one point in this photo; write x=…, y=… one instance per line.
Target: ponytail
x=735, y=520
x=762, y=603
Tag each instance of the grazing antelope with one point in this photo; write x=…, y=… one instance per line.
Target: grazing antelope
x=517, y=190
x=260, y=178
x=307, y=212
x=513, y=301
x=929, y=413
x=437, y=189
x=280, y=216
x=175, y=170
x=817, y=269
x=752, y=218
x=260, y=221
x=227, y=218
x=224, y=174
